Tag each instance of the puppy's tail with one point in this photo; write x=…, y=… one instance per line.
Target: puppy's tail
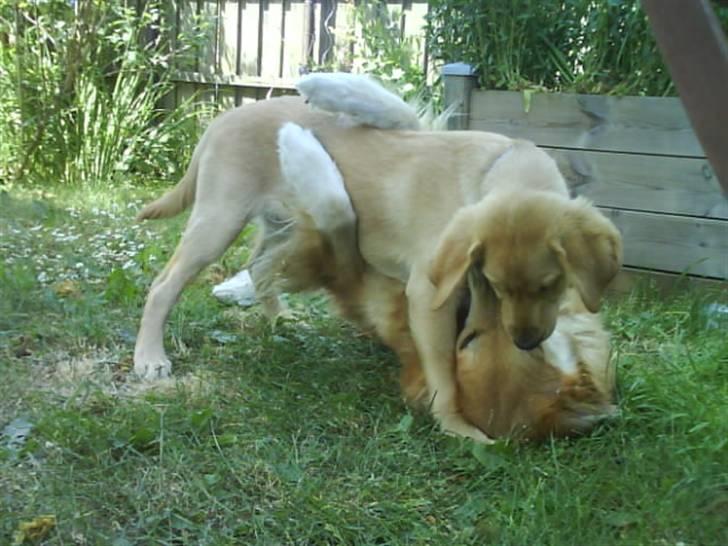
x=178, y=198
x=359, y=97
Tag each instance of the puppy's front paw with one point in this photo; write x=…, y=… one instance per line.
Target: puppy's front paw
x=150, y=369
x=455, y=425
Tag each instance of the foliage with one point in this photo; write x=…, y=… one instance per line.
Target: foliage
x=384, y=51
x=585, y=46
x=82, y=85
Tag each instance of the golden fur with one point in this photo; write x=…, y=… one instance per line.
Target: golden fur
x=405, y=187
x=504, y=391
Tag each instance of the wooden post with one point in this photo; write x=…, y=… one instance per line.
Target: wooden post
x=459, y=80
x=695, y=50
x=309, y=35
x=327, y=20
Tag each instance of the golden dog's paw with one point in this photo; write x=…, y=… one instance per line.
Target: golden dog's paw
x=151, y=369
x=455, y=425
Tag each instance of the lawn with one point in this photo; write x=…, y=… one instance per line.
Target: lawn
x=296, y=434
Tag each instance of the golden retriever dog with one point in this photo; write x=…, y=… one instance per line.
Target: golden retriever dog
x=422, y=201
x=562, y=387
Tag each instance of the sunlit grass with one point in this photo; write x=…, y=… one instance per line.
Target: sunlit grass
x=297, y=434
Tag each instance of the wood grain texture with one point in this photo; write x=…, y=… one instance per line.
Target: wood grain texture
x=669, y=284
x=673, y=243
x=234, y=81
x=648, y=125
x=228, y=40
x=249, y=39
x=695, y=50
x=265, y=38
x=208, y=59
x=293, y=43
x=673, y=185
x=272, y=39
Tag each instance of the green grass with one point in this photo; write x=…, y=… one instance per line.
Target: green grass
x=297, y=434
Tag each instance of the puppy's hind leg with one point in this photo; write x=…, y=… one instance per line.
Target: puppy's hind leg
x=276, y=228
x=210, y=230
x=318, y=189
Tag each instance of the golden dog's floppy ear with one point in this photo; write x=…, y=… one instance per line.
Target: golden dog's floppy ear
x=590, y=251
x=456, y=251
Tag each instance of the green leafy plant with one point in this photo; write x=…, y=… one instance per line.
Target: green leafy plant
x=82, y=92
x=385, y=52
x=583, y=46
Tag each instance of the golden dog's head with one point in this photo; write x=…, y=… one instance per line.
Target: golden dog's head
x=529, y=248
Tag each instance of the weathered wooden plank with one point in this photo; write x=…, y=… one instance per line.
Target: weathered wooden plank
x=226, y=98
x=233, y=80
x=294, y=55
x=666, y=283
x=648, y=125
x=316, y=29
x=263, y=5
x=249, y=95
x=186, y=21
x=228, y=42
x=185, y=91
x=673, y=243
x=239, y=45
x=282, y=38
x=270, y=61
x=674, y=185
x=695, y=50
x=208, y=57
x=414, y=19
x=249, y=38
x=327, y=30
x=345, y=32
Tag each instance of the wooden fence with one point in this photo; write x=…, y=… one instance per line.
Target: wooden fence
x=637, y=158
x=260, y=47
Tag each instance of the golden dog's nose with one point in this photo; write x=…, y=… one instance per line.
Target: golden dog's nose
x=527, y=339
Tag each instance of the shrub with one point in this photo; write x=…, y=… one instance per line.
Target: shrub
x=383, y=50
x=585, y=46
x=81, y=92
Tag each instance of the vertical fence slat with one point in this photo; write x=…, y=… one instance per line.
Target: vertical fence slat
x=459, y=82
x=249, y=38
x=327, y=21
x=282, y=55
x=262, y=7
x=294, y=47
x=271, y=39
x=253, y=39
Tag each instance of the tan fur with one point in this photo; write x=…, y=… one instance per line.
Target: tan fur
x=506, y=392
x=178, y=198
x=530, y=247
x=405, y=187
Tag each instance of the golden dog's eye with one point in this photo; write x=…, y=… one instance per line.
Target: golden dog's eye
x=467, y=340
x=498, y=289
x=548, y=285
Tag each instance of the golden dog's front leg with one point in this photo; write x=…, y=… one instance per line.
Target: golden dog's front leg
x=434, y=333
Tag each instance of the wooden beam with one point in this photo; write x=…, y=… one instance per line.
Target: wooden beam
x=327, y=20
x=695, y=50
x=263, y=5
x=233, y=81
x=667, y=283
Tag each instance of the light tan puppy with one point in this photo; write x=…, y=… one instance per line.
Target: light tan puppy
x=405, y=187
x=563, y=387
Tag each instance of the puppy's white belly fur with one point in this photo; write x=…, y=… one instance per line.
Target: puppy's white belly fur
x=558, y=352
